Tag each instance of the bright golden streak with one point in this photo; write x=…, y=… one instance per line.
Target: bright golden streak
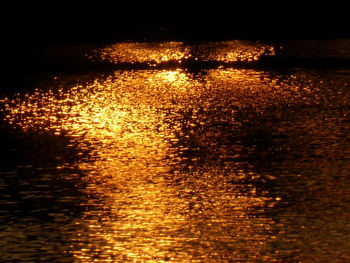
x=126, y=122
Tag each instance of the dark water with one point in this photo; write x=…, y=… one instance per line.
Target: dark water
x=177, y=164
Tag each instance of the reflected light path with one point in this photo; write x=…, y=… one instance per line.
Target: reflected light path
x=140, y=204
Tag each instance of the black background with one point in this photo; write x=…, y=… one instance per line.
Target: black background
x=87, y=22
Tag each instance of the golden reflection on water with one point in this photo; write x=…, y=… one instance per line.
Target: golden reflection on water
x=232, y=51
x=142, y=52
x=141, y=205
x=216, y=165
x=155, y=53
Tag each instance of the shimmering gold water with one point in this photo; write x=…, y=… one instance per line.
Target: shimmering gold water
x=169, y=166
x=155, y=53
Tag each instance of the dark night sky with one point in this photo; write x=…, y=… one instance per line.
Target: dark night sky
x=90, y=22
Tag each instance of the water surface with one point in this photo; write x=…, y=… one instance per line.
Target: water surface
x=173, y=165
